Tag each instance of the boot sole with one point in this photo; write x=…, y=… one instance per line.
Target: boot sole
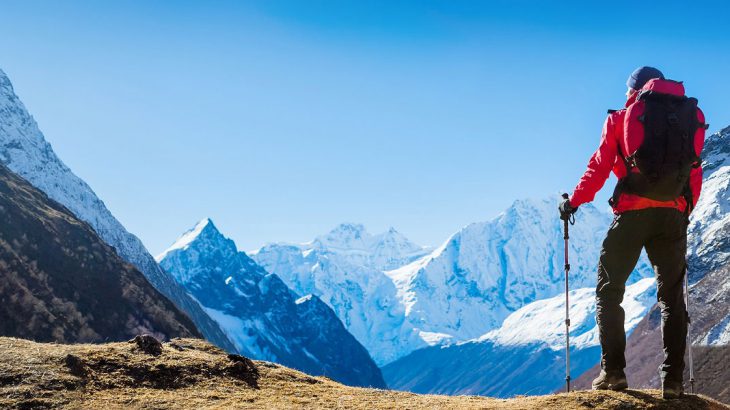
x=614, y=387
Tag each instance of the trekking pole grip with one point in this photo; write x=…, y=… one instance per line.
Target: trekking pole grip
x=565, y=221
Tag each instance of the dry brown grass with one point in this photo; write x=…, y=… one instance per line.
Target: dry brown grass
x=190, y=373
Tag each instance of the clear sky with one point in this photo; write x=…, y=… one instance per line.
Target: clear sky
x=280, y=119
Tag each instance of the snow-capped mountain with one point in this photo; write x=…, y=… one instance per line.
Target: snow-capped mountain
x=25, y=151
x=59, y=282
x=709, y=228
x=345, y=268
x=525, y=355
x=261, y=315
x=459, y=291
x=709, y=246
x=488, y=270
x=384, y=251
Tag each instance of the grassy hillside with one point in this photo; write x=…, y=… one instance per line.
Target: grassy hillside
x=189, y=373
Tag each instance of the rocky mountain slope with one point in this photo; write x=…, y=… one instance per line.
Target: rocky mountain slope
x=709, y=228
x=261, y=315
x=25, y=151
x=188, y=373
x=525, y=355
x=60, y=282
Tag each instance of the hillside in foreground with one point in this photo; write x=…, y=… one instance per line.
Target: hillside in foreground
x=189, y=373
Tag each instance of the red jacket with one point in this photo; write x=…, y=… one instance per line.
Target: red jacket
x=607, y=159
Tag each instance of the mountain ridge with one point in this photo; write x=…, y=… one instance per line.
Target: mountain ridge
x=62, y=283
x=345, y=269
x=25, y=151
x=260, y=314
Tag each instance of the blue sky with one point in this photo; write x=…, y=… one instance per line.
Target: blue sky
x=280, y=119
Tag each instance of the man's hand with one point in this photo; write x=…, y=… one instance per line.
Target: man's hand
x=566, y=210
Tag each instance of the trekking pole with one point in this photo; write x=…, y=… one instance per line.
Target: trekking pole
x=689, y=336
x=567, y=304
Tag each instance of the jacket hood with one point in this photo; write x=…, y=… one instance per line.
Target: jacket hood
x=631, y=100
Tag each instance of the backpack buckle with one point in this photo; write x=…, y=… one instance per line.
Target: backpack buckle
x=631, y=161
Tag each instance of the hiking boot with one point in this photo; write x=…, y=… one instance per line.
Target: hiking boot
x=611, y=380
x=672, y=390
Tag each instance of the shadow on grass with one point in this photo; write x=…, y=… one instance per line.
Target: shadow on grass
x=688, y=401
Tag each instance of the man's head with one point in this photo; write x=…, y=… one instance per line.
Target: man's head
x=641, y=76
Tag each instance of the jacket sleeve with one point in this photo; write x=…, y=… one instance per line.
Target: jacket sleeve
x=599, y=167
x=695, y=177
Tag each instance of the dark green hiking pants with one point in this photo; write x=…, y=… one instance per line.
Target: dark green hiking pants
x=663, y=233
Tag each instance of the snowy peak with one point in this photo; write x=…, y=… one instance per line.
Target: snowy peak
x=709, y=246
x=189, y=259
x=395, y=240
x=26, y=152
x=24, y=149
x=384, y=251
x=716, y=153
x=203, y=233
x=345, y=269
x=261, y=315
x=345, y=236
x=6, y=87
x=353, y=236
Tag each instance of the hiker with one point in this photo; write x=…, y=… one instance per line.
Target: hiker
x=653, y=147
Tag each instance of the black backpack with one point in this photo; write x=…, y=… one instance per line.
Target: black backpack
x=667, y=155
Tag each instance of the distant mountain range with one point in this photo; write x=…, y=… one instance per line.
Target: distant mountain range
x=415, y=298
x=346, y=269
x=261, y=315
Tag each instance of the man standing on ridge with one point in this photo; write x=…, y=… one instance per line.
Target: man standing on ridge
x=653, y=147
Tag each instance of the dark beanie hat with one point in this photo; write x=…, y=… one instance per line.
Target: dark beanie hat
x=641, y=76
